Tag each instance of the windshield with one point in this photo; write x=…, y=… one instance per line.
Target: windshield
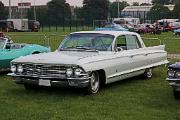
x=2, y=43
x=87, y=41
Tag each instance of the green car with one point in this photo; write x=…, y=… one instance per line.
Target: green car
x=10, y=51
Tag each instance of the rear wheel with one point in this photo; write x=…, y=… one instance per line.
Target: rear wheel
x=94, y=83
x=176, y=94
x=148, y=73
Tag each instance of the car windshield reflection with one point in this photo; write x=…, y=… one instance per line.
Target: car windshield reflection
x=87, y=42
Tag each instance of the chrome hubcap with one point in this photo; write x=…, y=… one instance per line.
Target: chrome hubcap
x=94, y=82
x=149, y=73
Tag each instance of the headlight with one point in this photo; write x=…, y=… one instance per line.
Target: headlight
x=171, y=73
x=13, y=68
x=69, y=72
x=20, y=68
x=177, y=74
x=78, y=71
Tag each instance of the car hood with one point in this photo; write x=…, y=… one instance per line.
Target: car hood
x=63, y=57
x=175, y=66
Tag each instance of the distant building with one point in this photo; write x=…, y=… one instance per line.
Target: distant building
x=139, y=11
x=18, y=12
x=21, y=11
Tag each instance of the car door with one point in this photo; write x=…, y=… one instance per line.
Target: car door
x=121, y=60
x=136, y=54
x=122, y=54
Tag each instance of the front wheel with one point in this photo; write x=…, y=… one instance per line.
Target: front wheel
x=176, y=94
x=148, y=73
x=94, y=83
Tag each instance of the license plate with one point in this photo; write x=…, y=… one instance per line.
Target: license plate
x=44, y=82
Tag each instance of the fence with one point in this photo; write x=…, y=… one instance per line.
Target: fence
x=67, y=26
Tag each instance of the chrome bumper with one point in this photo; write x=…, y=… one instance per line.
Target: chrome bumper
x=54, y=81
x=174, y=82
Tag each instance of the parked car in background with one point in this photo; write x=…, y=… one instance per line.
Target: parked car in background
x=166, y=24
x=141, y=29
x=128, y=20
x=111, y=27
x=175, y=26
x=174, y=78
x=129, y=27
x=10, y=51
x=177, y=32
x=128, y=23
x=6, y=26
x=19, y=25
x=147, y=28
x=34, y=26
x=89, y=59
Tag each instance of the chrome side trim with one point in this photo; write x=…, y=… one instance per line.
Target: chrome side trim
x=137, y=69
x=125, y=57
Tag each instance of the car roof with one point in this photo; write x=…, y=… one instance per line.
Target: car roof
x=114, y=33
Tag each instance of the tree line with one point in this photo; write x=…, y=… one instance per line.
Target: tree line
x=59, y=11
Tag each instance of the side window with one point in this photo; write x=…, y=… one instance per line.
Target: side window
x=121, y=42
x=132, y=42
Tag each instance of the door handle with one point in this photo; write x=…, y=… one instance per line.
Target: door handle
x=131, y=56
x=146, y=54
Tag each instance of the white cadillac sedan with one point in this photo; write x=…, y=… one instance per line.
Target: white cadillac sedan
x=88, y=60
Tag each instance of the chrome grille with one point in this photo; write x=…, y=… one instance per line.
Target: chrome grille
x=44, y=70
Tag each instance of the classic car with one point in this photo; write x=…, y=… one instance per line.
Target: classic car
x=175, y=26
x=177, y=32
x=10, y=51
x=174, y=78
x=89, y=59
x=111, y=27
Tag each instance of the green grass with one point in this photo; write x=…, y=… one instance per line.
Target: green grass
x=171, y=41
x=39, y=38
x=132, y=99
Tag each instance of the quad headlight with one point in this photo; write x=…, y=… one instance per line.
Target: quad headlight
x=69, y=72
x=13, y=68
x=20, y=69
x=74, y=72
x=171, y=73
x=177, y=74
x=78, y=72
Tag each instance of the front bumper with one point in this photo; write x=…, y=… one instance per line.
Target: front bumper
x=51, y=81
x=174, y=82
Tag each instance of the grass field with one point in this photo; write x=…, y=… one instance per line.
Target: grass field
x=132, y=99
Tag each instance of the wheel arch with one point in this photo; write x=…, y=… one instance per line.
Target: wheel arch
x=36, y=52
x=102, y=76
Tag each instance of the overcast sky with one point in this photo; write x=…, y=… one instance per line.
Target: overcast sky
x=71, y=2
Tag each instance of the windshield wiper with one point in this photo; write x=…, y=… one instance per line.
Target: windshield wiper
x=67, y=48
x=86, y=48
